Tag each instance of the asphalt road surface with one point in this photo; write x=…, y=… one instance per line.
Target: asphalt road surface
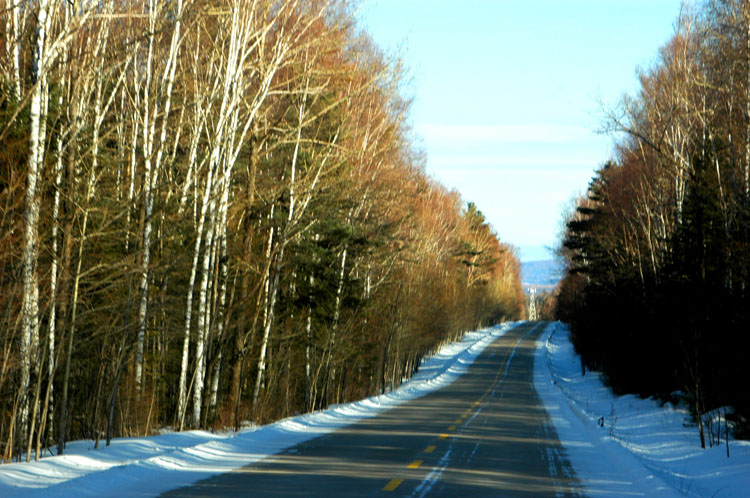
x=487, y=434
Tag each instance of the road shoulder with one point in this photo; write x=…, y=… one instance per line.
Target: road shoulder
x=603, y=466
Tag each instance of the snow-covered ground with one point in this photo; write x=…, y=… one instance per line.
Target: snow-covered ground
x=628, y=446
x=148, y=466
x=643, y=449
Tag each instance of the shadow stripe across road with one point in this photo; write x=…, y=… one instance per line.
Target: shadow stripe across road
x=487, y=434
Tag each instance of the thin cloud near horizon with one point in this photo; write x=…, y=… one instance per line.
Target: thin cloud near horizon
x=510, y=133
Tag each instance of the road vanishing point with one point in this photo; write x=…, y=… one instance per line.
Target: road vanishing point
x=486, y=434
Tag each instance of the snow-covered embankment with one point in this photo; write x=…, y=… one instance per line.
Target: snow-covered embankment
x=625, y=445
x=150, y=465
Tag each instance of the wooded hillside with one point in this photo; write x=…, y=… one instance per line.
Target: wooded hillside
x=658, y=250
x=214, y=212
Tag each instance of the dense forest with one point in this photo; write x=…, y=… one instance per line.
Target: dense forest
x=658, y=250
x=214, y=213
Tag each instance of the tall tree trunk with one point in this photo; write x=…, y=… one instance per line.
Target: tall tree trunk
x=30, y=313
x=148, y=198
x=133, y=155
x=222, y=298
x=14, y=30
x=182, y=395
x=35, y=408
x=203, y=324
x=150, y=181
x=746, y=182
x=336, y=317
x=73, y=316
x=268, y=323
x=308, y=355
x=52, y=365
x=214, y=393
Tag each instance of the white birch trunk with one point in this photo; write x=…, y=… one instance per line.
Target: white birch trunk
x=30, y=310
x=268, y=325
x=308, y=359
x=339, y=291
x=148, y=135
x=146, y=262
x=120, y=129
x=54, y=271
x=746, y=182
x=152, y=170
x=308, y=355
x=182, y=396
x=202, y=325
x=133, y=155
x=229, y=101
x=14, y=47
x=199, y=122
x=215, y=385
x=220, y=311
x=274, y=288
x=336, y=314
x=74, y=312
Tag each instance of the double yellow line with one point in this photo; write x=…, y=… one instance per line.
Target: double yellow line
x=396, y=482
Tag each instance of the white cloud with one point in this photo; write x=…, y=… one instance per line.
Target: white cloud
x=522, y=133
x=463, y=161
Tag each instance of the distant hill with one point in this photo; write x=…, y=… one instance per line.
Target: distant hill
x=541, y=275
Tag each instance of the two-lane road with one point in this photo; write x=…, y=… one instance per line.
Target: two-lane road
x=487, y=434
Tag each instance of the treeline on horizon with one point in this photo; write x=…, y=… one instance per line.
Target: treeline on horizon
x=213, y=213
x=658, y=250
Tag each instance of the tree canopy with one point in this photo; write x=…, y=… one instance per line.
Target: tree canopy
x=214, y=214
x=658, y=249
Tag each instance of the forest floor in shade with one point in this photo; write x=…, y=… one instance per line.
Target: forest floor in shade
x=619, y=446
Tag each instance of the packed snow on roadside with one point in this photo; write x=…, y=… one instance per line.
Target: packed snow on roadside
x=150, y=465
x=625, y=445
x=618, y=446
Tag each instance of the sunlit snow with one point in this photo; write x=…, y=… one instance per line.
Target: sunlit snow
x=625, y=445
x=642, y=449
x=149, y=466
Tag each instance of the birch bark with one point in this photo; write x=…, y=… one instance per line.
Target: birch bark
x=164, y=90
x=217, y=163
x=30, y=307
x=182, y=396
x=14, y=30
x=203, y=323
x=280, y=255
x=746, y=183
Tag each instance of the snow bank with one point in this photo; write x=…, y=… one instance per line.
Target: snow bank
x=625, y=445
x=151, y=465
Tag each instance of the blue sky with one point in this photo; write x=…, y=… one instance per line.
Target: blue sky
x=506, y=95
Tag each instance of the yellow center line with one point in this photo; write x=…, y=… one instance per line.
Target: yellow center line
x=502, y=367
x=395, y=483
x=391, y=486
